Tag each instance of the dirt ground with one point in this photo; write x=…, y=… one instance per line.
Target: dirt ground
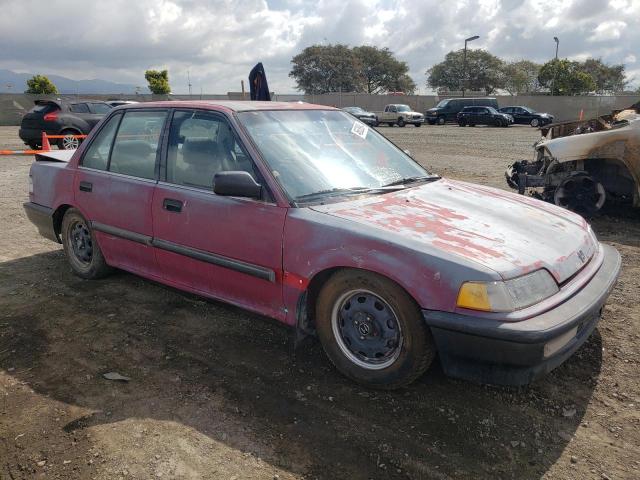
x=218, y=393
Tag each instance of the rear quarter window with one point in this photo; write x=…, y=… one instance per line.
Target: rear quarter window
x=100, y=108
x=79, y=108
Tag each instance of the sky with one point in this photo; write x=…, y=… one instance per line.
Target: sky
x=218, y=41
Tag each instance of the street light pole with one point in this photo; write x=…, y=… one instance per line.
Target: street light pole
x=464, y=60
x=555, y=70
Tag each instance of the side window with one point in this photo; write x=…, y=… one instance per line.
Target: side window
x=79, y=108
x=201, y=145
x=100, y=108
x=97, y=155
x=392, y=109
x=134, y=150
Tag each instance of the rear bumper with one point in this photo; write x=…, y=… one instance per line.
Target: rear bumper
x=516, y=353
x=42, y=218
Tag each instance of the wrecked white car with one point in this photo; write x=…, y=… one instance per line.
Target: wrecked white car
x=586, y=164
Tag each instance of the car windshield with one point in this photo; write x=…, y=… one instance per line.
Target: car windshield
x=321, y=152
x=403, y=108
x=354, y=110
x=442, y=104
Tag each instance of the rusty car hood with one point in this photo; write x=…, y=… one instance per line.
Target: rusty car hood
x=508, y=233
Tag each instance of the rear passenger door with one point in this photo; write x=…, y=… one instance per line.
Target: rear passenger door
x=114, y=187
x=225, y=247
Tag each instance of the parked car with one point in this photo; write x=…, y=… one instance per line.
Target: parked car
x=447, y=110
x=398, y=114
x=527, y=116
x=366, y=117
x=59, y=117
x=585, y=165
x=117, y=103
x=473, y=116
x=295, y=212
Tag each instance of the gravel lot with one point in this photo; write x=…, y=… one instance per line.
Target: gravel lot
x=218, y=393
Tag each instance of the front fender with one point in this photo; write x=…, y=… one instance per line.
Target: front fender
x=315, y=242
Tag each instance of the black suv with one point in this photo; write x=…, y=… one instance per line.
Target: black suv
x=483, y=116
x=447, y=110
x=59, y=117
x=526, y=116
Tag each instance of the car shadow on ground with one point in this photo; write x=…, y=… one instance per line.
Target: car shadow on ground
x=183, y=354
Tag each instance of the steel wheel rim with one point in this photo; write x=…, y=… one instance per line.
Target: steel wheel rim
x=534, y=122
x=366, y=329
x=69, y=142
x=79, y=238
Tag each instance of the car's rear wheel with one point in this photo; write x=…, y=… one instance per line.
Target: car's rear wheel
x=401, y=122
x=418, y=124
x=372, y=330
x=462, y=123
x=390, y=124
x=34, y=146
x=535, y=122
x=80, y=246
x=69, y=141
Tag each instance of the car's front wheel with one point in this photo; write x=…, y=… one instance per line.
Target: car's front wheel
x=441, y=120
x=372, y=330
x=81, y=247
x=535, y=122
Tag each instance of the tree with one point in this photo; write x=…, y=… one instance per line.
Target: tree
x=483, y=72
x=326, y=69
x=564, y=77
x=380, y=72
x=521, y=77
x=608, y=78
x=158, y=81
x=40, y=85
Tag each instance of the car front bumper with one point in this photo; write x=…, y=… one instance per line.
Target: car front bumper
x=516, y=353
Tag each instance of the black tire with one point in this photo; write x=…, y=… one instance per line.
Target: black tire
x=431, y=122
x=412, y=349
x=535, y=122
x=376, y=123
x=401, y=122
x=69, y=143
x=34, y=146
x=390, y=124
x=462, y=123
x=418, y=124
x=80, y=246
x=441, y=121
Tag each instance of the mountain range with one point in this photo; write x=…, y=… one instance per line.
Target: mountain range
x=12, y=82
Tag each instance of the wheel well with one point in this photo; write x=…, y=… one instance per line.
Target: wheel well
x=614, y=176
x=71, y=129
x=306, y=314
x=58, y=215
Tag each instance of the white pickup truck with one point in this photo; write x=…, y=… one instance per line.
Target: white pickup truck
x=399, y=114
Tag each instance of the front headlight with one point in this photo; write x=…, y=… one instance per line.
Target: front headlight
x=509, y=295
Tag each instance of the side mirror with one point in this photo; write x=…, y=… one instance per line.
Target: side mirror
x=236, y=184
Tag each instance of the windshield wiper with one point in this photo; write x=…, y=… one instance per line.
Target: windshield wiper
x=347, y=191
x=405, y=181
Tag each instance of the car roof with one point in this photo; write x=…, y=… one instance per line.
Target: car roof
x=228, y=105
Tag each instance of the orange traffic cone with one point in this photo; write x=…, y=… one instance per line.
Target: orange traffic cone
x=581, y=114
x=45, y=142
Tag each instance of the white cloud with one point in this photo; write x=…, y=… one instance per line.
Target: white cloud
x=218, y=41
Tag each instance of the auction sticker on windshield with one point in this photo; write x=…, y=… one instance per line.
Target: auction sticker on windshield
x=360, y=129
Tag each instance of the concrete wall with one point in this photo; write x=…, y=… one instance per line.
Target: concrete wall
x=13, y=106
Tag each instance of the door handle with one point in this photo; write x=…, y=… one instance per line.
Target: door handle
x=171, y=205
x=86, y=186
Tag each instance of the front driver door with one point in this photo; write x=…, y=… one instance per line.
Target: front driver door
x=224, y=247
